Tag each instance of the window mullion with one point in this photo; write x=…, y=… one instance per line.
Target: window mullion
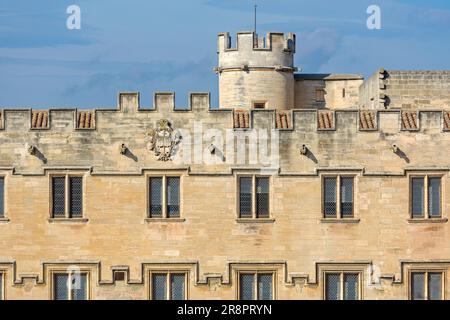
x=338, y=197
x=254, y=197
x=66, y=196
x=169, y=289
x=164, y=197
x=256, y=286
x=342, y=286
x=425, y=198
x=426, y=286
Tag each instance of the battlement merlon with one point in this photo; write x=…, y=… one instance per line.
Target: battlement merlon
x=275, y=51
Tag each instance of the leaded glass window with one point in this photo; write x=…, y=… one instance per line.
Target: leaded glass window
x=256, y=286
x=70, y=286
x=333, y=286
x=262, y=197
x=426, y=285
x=164, y=197
x=173, y=197
x=434, y=197
x=347, y=197
x=342, y=286
x=169, y=286
x=417, y=197
x=245, y=197
x=329, y=190
x=76, y=196
x=59, y=196
x=159, y=287
x=156, y=197
x=70, y=206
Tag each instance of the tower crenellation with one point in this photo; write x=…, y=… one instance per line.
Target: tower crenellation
x=257, y=72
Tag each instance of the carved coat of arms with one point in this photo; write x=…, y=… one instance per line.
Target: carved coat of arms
x=163, y=140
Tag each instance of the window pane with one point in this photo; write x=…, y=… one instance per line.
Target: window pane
x=79, y=287
x=247, y=287
x=347, y=197
x=2, y=197
x=417, y=197
x=58, y=193
x=245, y=197
x=351, y=282
x=159, y=287
x=434, y=197
x=329, y=191
x=262, y=197
x=60, y=287
x=173, y=197
x=76, y=196
x=435, y=286
x=155, y=197
x=333, y=286
x=265, y=286
x=177, y=286
x=418, y=286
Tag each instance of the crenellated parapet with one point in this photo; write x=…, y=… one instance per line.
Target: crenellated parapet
x=199, y=108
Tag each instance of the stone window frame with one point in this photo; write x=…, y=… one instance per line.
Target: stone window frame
x=59, y=270
x=164, y=217
x=254, y=218
x=4, y=215
x=168, y=271
x=3, y=284
x=339, y=218
x=426, y=217
x=427, y=270
x=342, y=271
x=67, y=218
x=256, y=272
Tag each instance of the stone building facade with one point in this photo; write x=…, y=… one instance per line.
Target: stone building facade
x=299, y=186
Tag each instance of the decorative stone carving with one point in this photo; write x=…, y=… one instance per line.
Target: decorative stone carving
x=163, y=139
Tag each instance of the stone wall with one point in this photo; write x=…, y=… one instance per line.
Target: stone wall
x=340, y=91
x=209, y=241
x=406, y=90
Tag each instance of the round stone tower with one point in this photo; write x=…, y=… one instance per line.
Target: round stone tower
x=257, y=72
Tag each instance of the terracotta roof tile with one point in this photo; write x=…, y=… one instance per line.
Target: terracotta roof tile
x=282, y=120
x=409, y=120
x=85, y=120
x=325, y=120
x=39, y=119
x=447, y=120
x=241, y=119
x=367, y=120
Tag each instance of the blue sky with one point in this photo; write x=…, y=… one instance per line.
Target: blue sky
x=147, y=46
